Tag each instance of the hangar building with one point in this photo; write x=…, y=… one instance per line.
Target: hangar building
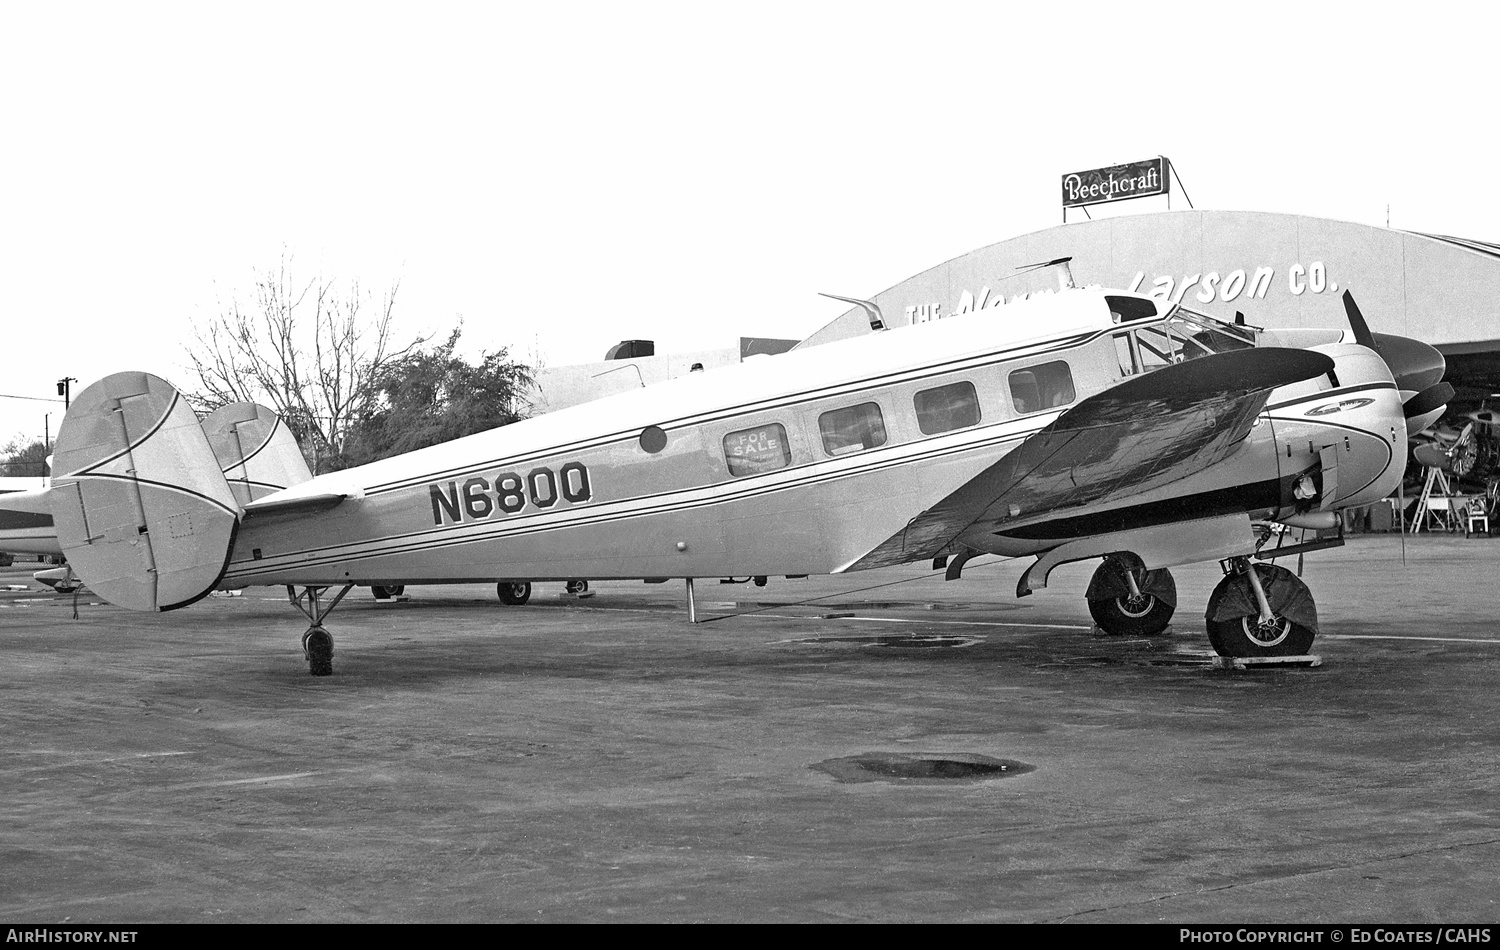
x=1280, y=270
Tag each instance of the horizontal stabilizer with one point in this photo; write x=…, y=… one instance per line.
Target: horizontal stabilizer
x=256, y=451
x=305, y=505
x=142, y=510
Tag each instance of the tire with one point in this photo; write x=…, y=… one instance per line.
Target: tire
x=1126, y=616
x=1245, y=636
x=513, y=593
x=576, y=587
x=385, y=593
x=319, y=646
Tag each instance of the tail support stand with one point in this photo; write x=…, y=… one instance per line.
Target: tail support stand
x=692, y=602
x=317, y=643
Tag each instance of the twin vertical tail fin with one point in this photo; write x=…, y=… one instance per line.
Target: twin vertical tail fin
x=142, y=510
x=256, y=451
x=147, y=501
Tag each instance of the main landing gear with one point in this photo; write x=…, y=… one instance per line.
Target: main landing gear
x=1260, y=610
x=1257, y=610
x=317, y=642
x=1127, y=600
x=513, y=593
x=516, y=593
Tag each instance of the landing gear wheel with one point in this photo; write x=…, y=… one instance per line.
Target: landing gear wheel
x=317, y=645
x=1121, y=612
x=1233, y=615
x=514, y=593
x=385, y=593
x=577, y=587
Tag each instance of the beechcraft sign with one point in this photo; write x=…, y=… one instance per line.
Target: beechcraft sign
x=1115, y=183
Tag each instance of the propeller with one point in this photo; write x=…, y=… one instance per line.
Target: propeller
x=1417, y=368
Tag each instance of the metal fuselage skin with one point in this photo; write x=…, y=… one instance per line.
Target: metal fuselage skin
x=639, y=485
x=25, y=521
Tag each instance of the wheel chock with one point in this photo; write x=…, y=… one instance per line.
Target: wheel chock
x=1307, y=661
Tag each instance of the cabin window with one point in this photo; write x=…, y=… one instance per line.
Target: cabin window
x=761, y=449
x=1047, y=386
x=955, y=406
x=853, y=429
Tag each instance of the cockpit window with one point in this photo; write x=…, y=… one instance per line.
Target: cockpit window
x=1184, y=335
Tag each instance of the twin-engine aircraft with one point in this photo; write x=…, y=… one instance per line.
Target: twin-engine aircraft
x=1085, y=424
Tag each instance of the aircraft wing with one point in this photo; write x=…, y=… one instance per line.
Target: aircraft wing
x=1144, y=433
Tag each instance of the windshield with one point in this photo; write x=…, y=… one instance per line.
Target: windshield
x=1183, y=335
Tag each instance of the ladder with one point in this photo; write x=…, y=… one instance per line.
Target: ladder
x=1442, y=517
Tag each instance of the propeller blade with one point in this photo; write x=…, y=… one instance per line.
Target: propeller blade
x=1413, y=364
x=1362, y=334
x=1433, y=397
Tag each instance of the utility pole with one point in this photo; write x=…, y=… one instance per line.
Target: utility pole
x=65, y=390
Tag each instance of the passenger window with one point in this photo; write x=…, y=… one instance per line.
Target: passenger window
x=753, y=451
x=955, y=406
x=1047, y=386
x=853, y=429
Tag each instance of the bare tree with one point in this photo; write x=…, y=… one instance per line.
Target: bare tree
x=312, y=351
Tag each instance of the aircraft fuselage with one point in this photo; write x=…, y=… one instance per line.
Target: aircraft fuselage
x=804, y=462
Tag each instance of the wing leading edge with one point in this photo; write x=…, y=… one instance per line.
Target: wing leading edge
x=1144, y=433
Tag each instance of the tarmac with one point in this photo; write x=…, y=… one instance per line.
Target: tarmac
x=883, y=747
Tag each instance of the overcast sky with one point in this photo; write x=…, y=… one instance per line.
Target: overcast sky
x=563, y=176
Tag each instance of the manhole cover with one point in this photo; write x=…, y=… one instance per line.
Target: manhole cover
x=921, y=769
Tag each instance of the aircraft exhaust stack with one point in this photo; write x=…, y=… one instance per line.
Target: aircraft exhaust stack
x=142, y=509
